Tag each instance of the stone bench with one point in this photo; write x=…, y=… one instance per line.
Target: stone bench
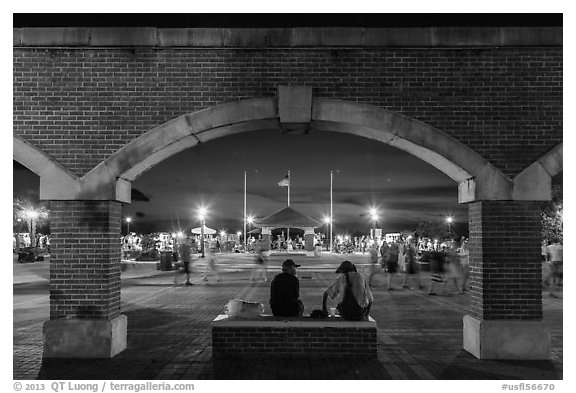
x=267, y=336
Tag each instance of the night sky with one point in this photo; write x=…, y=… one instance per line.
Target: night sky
x=402, y=187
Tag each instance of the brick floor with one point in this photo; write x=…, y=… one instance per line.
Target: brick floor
x=419, y=336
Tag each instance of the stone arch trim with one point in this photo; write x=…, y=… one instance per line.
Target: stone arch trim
x=481, y=180
x=535, y=181
x=55, y=180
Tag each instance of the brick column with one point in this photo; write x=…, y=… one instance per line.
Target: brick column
x=309, y=241
x=265, y=241
x=85, y=319
x=505, y=282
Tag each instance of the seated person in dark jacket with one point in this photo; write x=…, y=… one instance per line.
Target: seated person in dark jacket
x=285, y=292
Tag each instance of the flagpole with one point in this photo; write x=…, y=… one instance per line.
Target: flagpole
x=245, y=243
x=288, y=229
x=331, y=212
x=288, y=188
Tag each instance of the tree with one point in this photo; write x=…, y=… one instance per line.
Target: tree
x=432, y=230
x=21, y=221
x=552, y=215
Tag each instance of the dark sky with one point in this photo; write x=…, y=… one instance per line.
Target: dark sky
x=366, y=173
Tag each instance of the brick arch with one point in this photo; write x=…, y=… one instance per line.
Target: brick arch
x=419, y=139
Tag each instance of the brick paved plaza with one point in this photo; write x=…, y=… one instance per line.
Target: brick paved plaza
x=419, y=336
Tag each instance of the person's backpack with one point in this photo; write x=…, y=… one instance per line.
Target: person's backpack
x=349, y=308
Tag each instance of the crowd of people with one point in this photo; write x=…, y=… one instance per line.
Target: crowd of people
x=403, y=259
x=400, y=261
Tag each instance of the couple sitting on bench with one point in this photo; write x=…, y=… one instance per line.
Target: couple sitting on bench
x=350, y=289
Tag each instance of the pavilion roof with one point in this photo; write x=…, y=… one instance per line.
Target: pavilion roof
x=287, y=217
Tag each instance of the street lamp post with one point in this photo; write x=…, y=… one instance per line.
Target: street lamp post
x=327, y=221
x=374, y=216
x=249, y=221
x=128, y=221
x=201, y=216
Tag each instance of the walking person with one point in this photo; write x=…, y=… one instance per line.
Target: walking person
x=391, y=264
x=465, y=264
x=555, y=258
x=411, y=268
x=401, y=254
x=453, y=270
x=260, y=266
x=374, y=267
x=436, y=259
x=211, y=264
x=185, y=255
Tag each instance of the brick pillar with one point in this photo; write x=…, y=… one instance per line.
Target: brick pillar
x=505, y=282
x=85, y=319
x=265, y=241
x=309, y=241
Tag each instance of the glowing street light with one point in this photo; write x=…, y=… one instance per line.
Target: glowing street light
x=128, y=221
x=249, y=222
x=449, y=220
x=32, y=214
x=374, y=217
x=328, y=222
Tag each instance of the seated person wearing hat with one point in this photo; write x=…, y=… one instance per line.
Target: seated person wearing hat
x=352, y=293
x=285, y=292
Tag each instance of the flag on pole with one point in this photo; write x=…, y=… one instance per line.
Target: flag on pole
x=285, y=182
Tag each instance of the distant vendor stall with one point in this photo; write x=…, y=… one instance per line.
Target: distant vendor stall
x=288, y=218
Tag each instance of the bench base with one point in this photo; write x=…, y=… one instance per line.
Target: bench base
x=269, y=336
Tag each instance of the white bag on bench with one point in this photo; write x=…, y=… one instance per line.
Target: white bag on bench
x=243, y=309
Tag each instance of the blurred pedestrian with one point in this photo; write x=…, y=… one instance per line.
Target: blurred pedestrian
x=436, y=270
x=555, y=261
x=211, y=264
x=260, y=265
x=465, y=264
x=411, y=268
x=374, y=266
x=185, y=256
x=391, y=263
x=452, y=269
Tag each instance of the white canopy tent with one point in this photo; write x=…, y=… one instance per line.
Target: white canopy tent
x=207, y=231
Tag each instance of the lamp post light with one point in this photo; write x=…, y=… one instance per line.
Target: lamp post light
x=202, y=216
x=374, y=216
x=327, y=221
x=449, y=220
x=128, y=221
x=249, y=221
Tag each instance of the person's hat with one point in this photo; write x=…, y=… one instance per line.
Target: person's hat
x=346, y=267
x=289, y=262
